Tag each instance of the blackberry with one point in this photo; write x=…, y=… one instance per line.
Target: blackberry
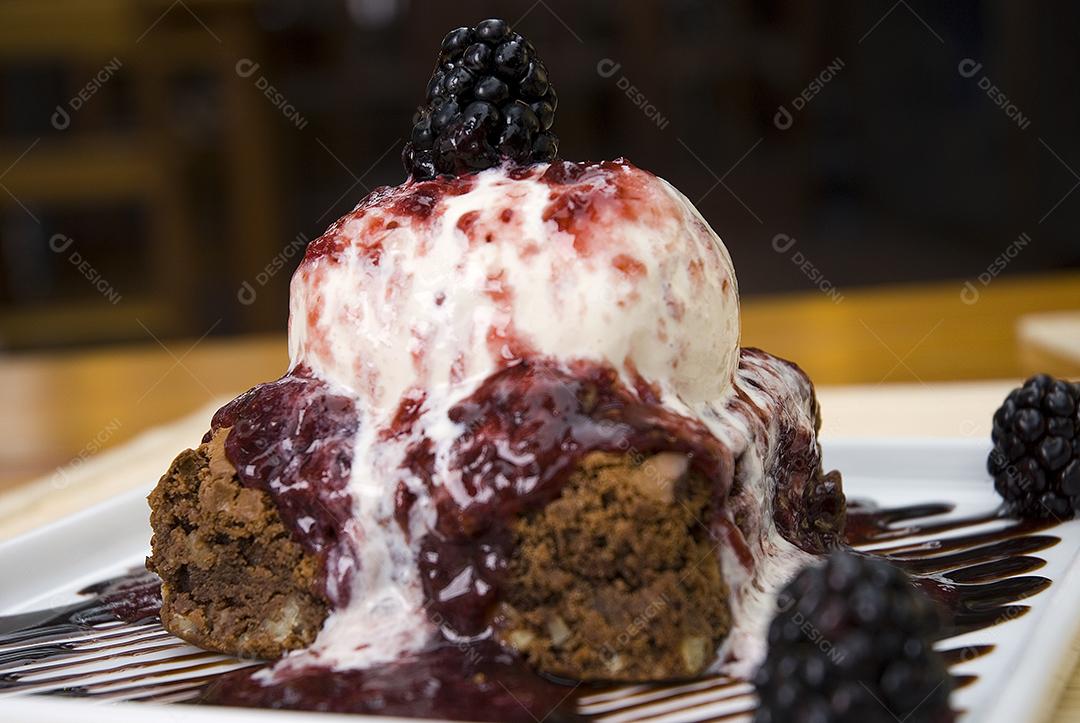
x=1035, y=462
x=852, y=641
x=488, y=100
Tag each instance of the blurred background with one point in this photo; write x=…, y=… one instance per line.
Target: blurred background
x=895, y=181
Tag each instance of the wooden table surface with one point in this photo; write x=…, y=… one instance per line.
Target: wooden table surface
x=881, y=358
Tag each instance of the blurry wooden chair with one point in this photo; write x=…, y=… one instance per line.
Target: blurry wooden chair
x=150, y=43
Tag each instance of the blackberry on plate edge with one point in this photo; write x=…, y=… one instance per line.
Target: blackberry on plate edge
x=1035, y=461
x=852, y=640
x=488, y=100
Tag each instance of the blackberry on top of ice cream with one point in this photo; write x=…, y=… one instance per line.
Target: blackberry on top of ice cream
x=852, y=641
x=1036, y=457
x=489, y=100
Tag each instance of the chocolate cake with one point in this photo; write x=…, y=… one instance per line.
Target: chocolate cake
x=622, y=547
x=233, y=577
x=615, y=579
x=517, y=413
x=629, y=559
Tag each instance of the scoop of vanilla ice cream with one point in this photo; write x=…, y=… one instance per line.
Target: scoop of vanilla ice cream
x=436, y=284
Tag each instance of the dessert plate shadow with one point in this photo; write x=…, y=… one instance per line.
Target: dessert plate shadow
x=1012, y=669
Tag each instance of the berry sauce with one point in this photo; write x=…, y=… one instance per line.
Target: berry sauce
x=132, y=598
x=480, y=682
x=585, y=200
x=293, y=438
x=585, y=196
x=415, y=202
x=527, y=428
x=808, y=504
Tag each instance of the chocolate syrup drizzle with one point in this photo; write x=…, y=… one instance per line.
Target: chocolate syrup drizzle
x=979, y=576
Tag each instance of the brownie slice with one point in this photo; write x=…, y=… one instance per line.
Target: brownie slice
x=618, y=578
x=233, y=578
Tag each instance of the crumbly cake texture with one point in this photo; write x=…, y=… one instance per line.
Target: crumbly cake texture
x=618, y=578
x=233, y=578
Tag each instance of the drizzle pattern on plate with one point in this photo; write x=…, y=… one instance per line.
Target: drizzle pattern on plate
x=112, y=647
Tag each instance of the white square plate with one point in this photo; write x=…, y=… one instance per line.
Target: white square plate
x=1020, y=680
